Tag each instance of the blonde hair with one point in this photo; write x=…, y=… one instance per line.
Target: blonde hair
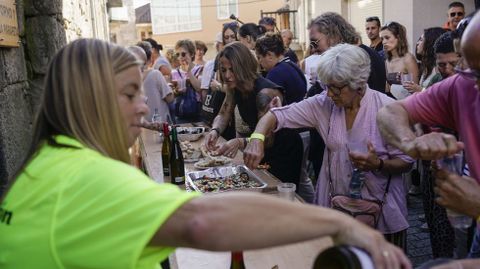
x=80, y=99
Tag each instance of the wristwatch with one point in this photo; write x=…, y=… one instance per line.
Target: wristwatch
x=216, y=129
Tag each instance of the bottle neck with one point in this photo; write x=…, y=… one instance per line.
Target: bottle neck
x=165, y=129
x=174, y=134
x=237, y=256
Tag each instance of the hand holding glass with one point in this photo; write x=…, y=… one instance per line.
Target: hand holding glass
x=454, y=164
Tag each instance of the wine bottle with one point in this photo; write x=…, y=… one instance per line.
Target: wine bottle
x=343, y=257
x=177, y=166
x=237, y=260
x=166, y=150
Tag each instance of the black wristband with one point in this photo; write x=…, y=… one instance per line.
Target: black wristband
x=216, y=129
x=245, y=142
x=380, y=166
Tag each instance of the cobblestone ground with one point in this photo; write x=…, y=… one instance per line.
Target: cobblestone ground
x=418, y=241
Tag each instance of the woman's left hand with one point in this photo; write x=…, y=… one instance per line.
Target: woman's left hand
x=365, y=162
x=411, y=86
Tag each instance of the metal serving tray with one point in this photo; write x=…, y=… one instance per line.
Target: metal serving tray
x=222, y=172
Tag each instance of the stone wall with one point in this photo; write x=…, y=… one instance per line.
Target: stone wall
x=22, y=71
x=44, y=27
x=85, y=18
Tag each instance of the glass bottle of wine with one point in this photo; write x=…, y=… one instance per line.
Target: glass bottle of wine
x=343, y=257
x=177, y=166
x=237, y=260
x=166, y=150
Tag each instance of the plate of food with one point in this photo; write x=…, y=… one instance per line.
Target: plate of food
x=190, y=133
x=210, y=162
x=190, y=153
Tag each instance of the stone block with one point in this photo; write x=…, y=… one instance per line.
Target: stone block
x=3, y=80
x=21, y=17
x=45, y=36
x=14, y=67
x=42, y=7
x=35, y=92
x=15, y=125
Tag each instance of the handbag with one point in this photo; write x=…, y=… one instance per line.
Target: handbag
x=212, y=104
x=364, y=210
x=186, y=104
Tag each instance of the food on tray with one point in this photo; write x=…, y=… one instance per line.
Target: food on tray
x=190, y=133
x=232, y=182
x=212, y=162
x=190, y=153
x=190, y=130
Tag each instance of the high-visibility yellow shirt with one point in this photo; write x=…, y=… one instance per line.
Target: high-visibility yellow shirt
x=72, y=207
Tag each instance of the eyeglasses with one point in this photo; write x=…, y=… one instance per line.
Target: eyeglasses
x=183, y=54
x=336, y=90
x=469, y=73
x=454, y=14
x=314, y=43
x=267, y=20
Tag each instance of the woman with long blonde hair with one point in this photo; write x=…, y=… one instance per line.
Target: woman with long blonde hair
x=77, y=203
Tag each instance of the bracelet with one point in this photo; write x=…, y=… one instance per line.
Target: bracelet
x=244, y=143
x=258, y=136
x=215, y=129
x=380, y=166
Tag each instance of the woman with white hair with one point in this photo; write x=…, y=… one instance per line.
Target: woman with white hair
x=76, y=202
x=346, y=113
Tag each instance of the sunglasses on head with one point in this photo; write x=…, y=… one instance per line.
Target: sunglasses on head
x=268, y=20
x=231, y=24
x=459, y=14
x=183, y=54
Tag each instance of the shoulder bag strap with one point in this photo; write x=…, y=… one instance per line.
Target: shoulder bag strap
x=330, y=183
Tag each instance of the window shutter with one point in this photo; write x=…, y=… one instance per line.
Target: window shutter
x=359, y=10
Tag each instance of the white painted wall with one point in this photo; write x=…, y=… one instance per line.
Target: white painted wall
x=418, y=15
x=125, y=32
x=85, y=18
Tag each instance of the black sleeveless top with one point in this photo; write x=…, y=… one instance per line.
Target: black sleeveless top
x=248, y=106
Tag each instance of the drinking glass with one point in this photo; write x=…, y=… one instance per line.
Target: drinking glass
x=406, y=78
x=287, y=191
x=357, y=146
x=454, y=164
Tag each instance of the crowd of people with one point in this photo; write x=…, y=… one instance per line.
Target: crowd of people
x=373, y=113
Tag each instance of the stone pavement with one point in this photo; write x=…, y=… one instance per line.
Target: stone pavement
x=418, y=241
